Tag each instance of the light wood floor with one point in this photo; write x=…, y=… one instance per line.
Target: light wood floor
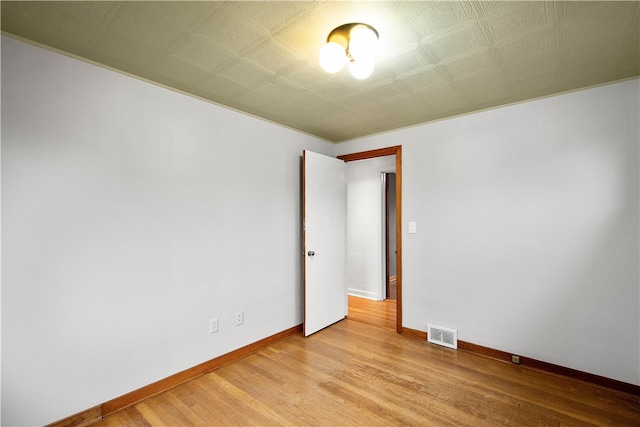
x=374, y=313
x=356, y=374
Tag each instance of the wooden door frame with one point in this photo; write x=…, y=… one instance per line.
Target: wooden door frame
x=387, y=252
x=381, y=152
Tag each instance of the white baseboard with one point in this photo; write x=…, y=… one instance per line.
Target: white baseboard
x=363, y=294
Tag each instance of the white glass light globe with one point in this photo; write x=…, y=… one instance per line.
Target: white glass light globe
x=361, y=69
x=362, y=43
x=332, y=57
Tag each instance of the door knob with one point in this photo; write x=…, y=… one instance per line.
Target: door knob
x=311, y=253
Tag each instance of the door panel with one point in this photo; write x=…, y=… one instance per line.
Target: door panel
x=324, y=241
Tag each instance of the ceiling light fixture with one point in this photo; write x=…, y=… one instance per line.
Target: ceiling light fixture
x=354, y=43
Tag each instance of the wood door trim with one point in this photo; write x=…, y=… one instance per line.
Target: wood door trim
x=387, y=253
x=304, y=241
x=381, y=152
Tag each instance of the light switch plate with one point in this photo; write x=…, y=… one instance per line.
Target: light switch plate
x=213, y=326
x=412, y=227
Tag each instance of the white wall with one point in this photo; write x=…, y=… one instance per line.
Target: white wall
x=131, y=215
x=527, y=228
x=364, y=226
x=114, y=257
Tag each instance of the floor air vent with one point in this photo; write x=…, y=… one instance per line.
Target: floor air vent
x=443, y=336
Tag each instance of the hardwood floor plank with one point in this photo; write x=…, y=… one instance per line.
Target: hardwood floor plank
x=168, y=405
x=288, y=396
x=497, y=378
x=152, y=417
x=242, y=398
x=353, y=373
x=375, y=313
x=229, y=402
x=364, y=375
x=130, y=417
x=205, y=404
x=194, y=417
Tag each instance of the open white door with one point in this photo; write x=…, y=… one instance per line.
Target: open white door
x=324, y=241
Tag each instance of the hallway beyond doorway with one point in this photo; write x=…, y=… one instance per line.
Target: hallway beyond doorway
x=375, y=313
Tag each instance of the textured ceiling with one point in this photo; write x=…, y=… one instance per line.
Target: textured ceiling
x=436, y=59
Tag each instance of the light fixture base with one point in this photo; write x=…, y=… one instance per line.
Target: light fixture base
x=354, y=43
x=342, y=33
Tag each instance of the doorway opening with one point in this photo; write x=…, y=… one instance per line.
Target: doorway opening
x=389, y=202
x=370, y=308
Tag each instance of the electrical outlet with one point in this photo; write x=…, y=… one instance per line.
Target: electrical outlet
x=213, y=326
x=239, y=318
x=515, y=359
